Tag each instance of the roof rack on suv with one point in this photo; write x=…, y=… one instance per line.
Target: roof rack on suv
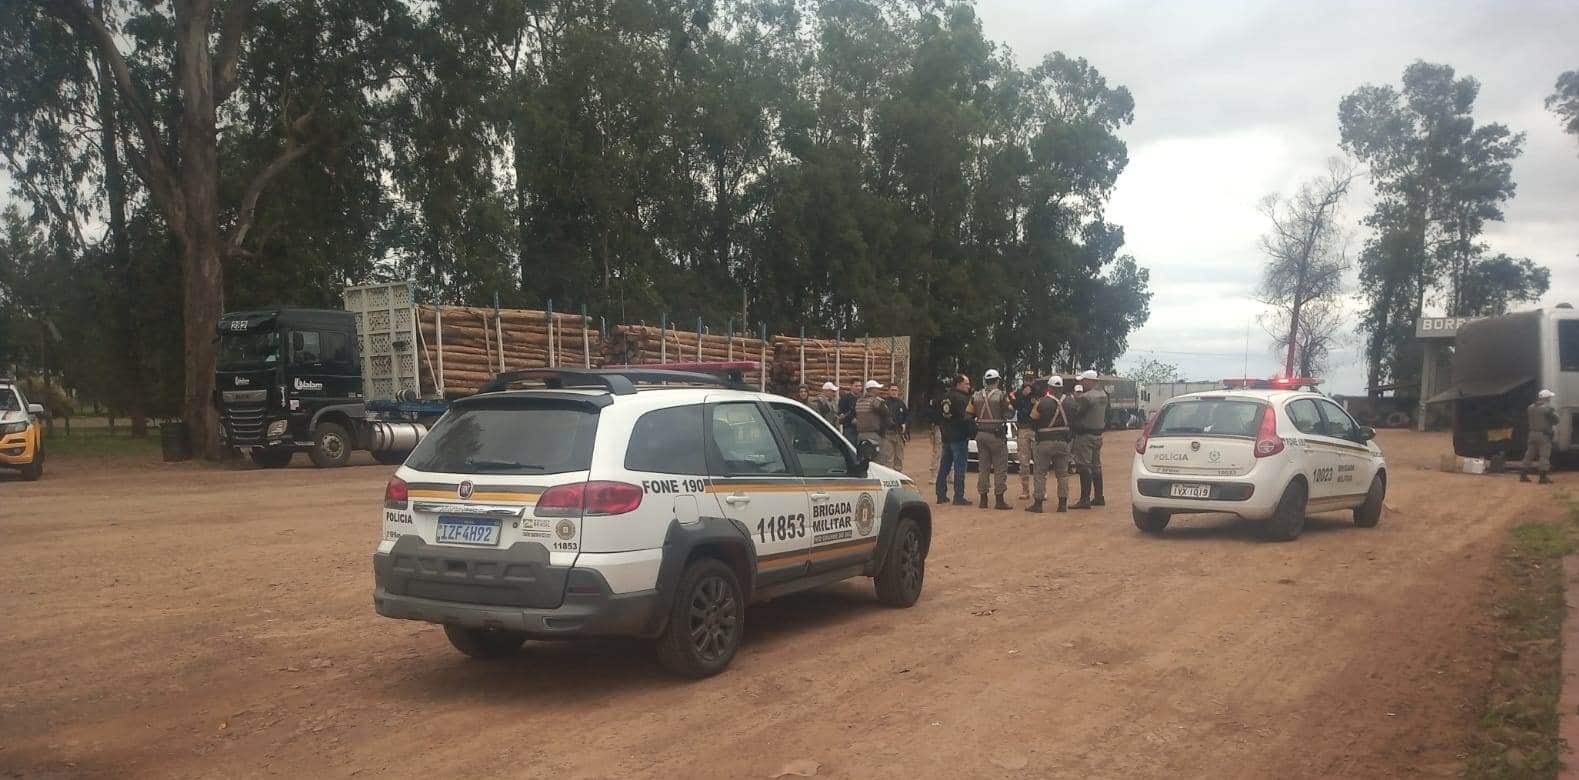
x=617, y=381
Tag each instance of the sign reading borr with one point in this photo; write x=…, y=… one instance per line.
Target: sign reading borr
x=1439, y=327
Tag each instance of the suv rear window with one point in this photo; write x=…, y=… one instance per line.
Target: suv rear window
x=510, y=438
x=1222, y=417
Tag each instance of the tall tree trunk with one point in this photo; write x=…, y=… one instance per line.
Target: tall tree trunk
x=120, y=263
x=200, y=238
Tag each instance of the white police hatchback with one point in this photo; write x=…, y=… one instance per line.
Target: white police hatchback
x=644, y=503
x=1269, y=455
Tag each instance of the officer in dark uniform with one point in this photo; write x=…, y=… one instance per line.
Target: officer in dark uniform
x=1089, y=421
x=956, y=435
x=1025, y=443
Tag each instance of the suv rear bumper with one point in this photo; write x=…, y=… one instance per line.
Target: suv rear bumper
x=508, y=589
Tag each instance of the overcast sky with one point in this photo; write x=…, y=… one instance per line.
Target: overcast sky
x=1234, y=101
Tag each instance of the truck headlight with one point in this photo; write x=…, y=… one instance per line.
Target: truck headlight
x=276, y=429
x=7, y=429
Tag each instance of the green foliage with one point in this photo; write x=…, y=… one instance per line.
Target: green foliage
x=856, y=166
x=1439, y=178
x=1151, y=370
x=1564, y=101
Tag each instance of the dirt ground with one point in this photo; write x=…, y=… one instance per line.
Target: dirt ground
x=190, y=621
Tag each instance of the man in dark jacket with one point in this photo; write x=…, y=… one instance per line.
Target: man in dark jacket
x=898, y=431
x=1025, y=443
x=955, y=427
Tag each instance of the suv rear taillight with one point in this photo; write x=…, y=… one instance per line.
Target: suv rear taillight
x=1268, y=443
x=1145, y=433
x=597, y=497
x=396, y=494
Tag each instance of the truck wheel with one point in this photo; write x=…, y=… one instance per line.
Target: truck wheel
x=705, y=621
x=905, y=569
x=1368, y=514
x=331, y=446
x=32, y=471
x=1289, y=517
x=391, y=457
x=270, y=459
x=1151, y=522
x=484, y=643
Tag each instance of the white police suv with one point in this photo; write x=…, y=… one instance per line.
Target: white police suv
x=1272, y=455
x=643, y=503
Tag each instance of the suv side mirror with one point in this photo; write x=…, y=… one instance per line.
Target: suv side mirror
x=1366, y=433
x=866, y=452
x=35, y=410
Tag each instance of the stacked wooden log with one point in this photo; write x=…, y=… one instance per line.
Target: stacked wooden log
x=478, y=342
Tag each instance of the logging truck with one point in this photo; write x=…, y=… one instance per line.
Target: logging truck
x=377, y=374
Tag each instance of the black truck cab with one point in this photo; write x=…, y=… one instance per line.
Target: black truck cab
x=290, y=380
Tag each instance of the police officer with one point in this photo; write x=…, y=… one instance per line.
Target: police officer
x=847, y=410
x=1049, y=421
x=1025, y=440
x=990, y=409
x=1089, y=420
x=827, y=403
x=898, y=428
x=1543, y=426
x=870, y=418
x=955, y=427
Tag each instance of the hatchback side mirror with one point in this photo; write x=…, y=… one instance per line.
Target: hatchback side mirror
x=1367, y=433
x=35, y=410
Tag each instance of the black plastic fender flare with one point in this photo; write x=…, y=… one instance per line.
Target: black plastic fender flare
x=353, y=412
x=682, y=539
x=899, y=500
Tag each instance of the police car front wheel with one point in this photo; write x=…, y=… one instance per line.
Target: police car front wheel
x=482, y=643
x=705, y=621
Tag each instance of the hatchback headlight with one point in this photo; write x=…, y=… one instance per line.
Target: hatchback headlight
x=10, y=428
x=276, y=429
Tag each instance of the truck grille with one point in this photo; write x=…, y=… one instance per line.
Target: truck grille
x=243, y=423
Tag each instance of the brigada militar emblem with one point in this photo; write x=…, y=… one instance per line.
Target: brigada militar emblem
x=865, y=514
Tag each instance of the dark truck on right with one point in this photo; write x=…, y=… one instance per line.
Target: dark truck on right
x=1499, y=364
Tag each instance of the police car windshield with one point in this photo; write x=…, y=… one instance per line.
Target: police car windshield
x=509, y=438
x=1208, y=417
x=251, y=349
x=8, y=402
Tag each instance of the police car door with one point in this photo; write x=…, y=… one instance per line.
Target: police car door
x=844, y=506
x=755, y=485
x=1352, y=471
x=1319, y=453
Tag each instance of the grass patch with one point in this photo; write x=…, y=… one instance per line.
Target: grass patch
x=1516, y=736
x=87, y=443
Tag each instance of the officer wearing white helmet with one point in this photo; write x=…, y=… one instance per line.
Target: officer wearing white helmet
x=826, y=404
x=1049, y=423
x=1089, y=420
x=1543, y=426
x=990, y=410
x=871, y=417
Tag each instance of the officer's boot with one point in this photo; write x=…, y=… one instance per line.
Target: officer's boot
x=1524, y=475
x=1000, y=503
x=1035, y=507
x=982, y=504
x=1546, y=479
x=1085, y=491
x=1063, y=504
x=1096, y=482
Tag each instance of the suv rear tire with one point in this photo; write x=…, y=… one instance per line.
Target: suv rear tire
x=1288, y=519
x=1151, y=522
x=1368, y=514
x=331, y=446
x=705, y=622
x=482, y=643
x=905, y=569
x=270, y=459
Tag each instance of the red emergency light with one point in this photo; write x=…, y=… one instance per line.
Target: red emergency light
x=1275, y=383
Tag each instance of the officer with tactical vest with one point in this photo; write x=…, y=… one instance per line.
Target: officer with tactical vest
x=1543, y=428
x=870, y=417
x=1088, y=421
x=990, y=410
x=1049, y=424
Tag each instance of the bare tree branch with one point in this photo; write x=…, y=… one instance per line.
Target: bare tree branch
x=48, y=201
x=154, y=168
x=227, y=58
x=249, y=200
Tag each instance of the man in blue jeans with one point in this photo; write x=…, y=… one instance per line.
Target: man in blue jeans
x=956, y=432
